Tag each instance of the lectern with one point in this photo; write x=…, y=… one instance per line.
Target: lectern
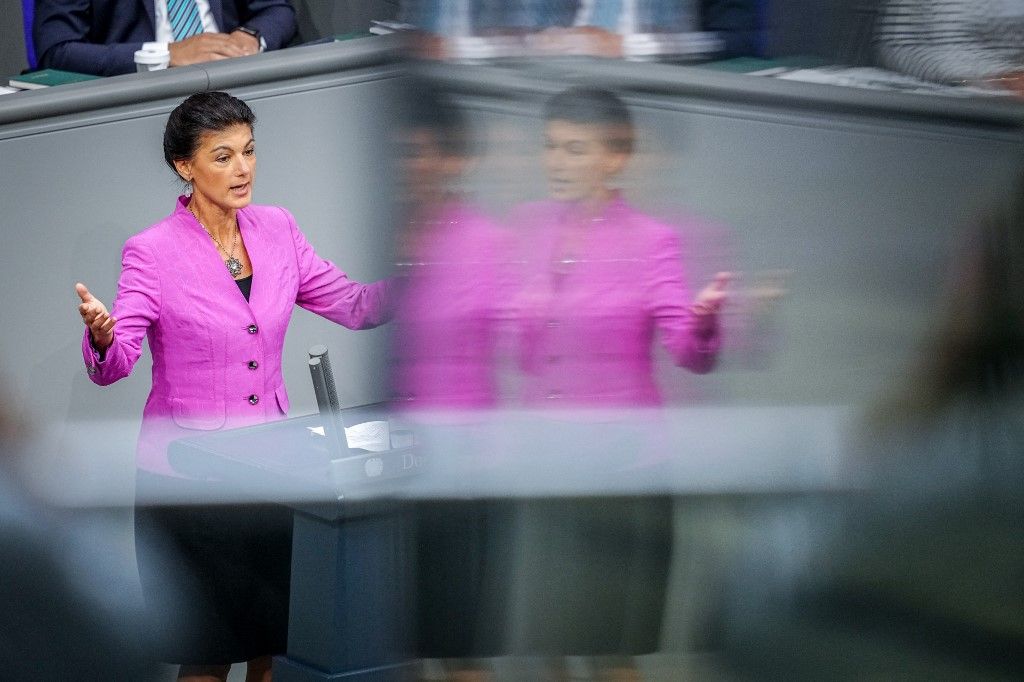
x=352, y=547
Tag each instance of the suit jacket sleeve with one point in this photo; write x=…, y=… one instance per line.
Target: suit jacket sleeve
x=62, y=29
x=325, y=290
x=737, y=23
x=670, y=307
x=274, y=19
x=136, y=307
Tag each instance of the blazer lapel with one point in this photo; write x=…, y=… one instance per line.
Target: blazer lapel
x=256, y=248
x=150, y=8
x=217, y=8
x=205, y=261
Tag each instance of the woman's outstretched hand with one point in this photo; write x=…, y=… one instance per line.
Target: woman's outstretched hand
x=712, y=297
x=96, y=318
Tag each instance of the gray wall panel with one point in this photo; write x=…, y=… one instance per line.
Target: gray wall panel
x=865, y=210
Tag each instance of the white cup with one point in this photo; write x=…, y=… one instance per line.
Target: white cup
x=152, y=60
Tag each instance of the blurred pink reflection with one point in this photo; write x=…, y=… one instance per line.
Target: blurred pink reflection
x=457, y=279
x=602, y=278
x=601, y=285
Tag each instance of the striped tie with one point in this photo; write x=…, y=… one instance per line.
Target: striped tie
x=184, y=18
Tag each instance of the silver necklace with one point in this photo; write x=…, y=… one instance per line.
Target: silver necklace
x=233, y=264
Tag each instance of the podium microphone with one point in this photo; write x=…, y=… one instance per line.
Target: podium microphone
x=327, y=399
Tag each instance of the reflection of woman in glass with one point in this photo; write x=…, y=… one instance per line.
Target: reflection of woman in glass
x=454, y=265
x=456, y=284
x=602, y=280
x=606, y=277
x=213, y=287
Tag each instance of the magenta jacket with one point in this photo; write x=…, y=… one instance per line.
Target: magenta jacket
x=217, y=357
x=590, y=309
x=458, y=283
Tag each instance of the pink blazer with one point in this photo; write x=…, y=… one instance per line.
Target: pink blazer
x=591, y=309
x=458, y=283
x=217, y=357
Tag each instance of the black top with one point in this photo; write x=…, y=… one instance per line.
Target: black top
x=245, y=286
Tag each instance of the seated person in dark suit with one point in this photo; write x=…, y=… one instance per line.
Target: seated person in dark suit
x=101, y=36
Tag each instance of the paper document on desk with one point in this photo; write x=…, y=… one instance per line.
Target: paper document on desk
x=372, y=436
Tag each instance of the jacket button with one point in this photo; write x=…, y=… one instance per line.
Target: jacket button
x=252, y=329
x=253, y=399
x=253, y=364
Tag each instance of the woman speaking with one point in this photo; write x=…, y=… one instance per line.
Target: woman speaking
x=212, y=286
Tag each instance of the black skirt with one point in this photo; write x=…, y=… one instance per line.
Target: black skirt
x=462, y=574
x=592, y=575
x=215, y=576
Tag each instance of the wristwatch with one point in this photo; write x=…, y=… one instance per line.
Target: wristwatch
x=255, y=34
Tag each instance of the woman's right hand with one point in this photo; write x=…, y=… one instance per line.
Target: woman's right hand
x=96, y=318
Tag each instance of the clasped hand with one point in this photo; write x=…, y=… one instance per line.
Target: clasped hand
x=207, y=47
